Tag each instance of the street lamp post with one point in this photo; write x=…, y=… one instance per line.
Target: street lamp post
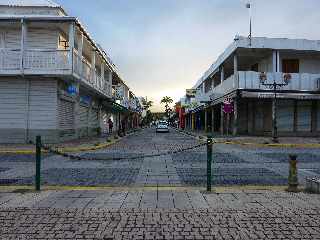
x=274, y=86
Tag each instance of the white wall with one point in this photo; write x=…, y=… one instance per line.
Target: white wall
x=39, y=38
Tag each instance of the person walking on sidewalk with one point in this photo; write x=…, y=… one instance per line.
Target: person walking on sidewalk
x=110, y=125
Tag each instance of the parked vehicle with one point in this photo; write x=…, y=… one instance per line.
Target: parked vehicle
x=162, y=126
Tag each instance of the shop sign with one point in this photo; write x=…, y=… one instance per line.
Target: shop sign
x=72, y=90
x=85, y=99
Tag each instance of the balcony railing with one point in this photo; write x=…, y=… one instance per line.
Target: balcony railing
x=43, y=61
x=251, y=80
x=10, y=59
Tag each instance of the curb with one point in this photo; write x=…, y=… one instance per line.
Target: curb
x=64, y=150
x=275, y=145
x=218, y=189
x=71, y=149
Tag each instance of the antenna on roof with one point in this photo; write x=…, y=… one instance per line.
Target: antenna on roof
x=249, y=6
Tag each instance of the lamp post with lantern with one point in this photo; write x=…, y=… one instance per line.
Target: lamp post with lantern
x=275, y=86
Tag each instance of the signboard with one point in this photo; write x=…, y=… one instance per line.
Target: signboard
x=72, y=90
x=85, y=99
x=191, y=92
x=228, y=106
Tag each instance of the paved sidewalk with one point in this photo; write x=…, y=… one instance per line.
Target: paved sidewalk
x=187, y=214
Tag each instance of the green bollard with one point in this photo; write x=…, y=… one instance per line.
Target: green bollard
x=38, y=162
x=209, y=163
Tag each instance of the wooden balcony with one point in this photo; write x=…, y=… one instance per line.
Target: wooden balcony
x=54, y=63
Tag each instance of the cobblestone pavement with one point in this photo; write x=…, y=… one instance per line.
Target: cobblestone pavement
x=233, y=164
x=186, y=214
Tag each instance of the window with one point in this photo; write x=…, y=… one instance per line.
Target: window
x=290, y=65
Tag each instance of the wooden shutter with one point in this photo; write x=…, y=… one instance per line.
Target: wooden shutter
x=290, y=65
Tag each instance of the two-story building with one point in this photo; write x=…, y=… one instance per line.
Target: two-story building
x=55, y=80
x=240, y=75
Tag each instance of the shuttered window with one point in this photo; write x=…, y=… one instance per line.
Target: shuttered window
x=66, y=117
x=304, y=115
x=83, y=116
x=285, y=115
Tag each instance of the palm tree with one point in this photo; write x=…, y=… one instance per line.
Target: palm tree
x=166, y=100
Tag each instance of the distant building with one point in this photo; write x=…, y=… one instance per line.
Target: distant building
x=55, y=80
x=237, y=76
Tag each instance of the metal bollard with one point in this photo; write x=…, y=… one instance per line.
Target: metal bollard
x=209, y=163
x=293, y=174
x=38, y=162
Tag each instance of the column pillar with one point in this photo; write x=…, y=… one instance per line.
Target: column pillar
x=274, y=61
x=23, y=41
x=221, y=120
x=103, y=82
x=206, y=120
x=80, y=52
x=77, y=111
x=221, y=73
x=93, y=66
x=235, y=70
x=235, y=116
x=71, y=44
x=212, y=119
x=193, y=121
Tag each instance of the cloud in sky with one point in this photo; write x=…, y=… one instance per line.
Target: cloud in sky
x=162, y=47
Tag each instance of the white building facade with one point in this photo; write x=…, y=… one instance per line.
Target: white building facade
x=238, y=75
x=55, y=81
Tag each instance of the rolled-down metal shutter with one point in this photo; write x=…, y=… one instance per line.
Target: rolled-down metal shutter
x=285, y=115
x=304, y=115
x=94, y=118
x=83, y=112
x=66, y=115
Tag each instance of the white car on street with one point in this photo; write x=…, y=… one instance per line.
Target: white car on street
x=162, y=126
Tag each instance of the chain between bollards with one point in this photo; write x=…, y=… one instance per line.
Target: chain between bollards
x=209, y=163
x=38, y=162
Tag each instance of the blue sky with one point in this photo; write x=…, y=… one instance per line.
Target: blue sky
x=163, y=46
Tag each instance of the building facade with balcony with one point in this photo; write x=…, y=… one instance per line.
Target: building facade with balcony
x=240, y=76
x=55, y=80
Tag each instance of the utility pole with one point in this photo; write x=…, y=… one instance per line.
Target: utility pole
x=248, y=5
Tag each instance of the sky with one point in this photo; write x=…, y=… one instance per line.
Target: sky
x=162, y=47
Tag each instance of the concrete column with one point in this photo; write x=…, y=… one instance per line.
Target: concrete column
x=89, y=117
x=80, y=52
x=109, y=83
x=193, y=121
x=100, y=115
x=235, y=117
x=71, y=43
x=77, y=111
x=222, y=73
x=206, y=120
x=274, y=61
x=212, y=119
x=23, y=41
x=278, y=61
x=235, y=70
x=221, y=120
x=93, y=65
x=103, y=82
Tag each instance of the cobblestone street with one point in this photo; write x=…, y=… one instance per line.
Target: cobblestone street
x=160, y=197
x=232, y=164
x=175, y=214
